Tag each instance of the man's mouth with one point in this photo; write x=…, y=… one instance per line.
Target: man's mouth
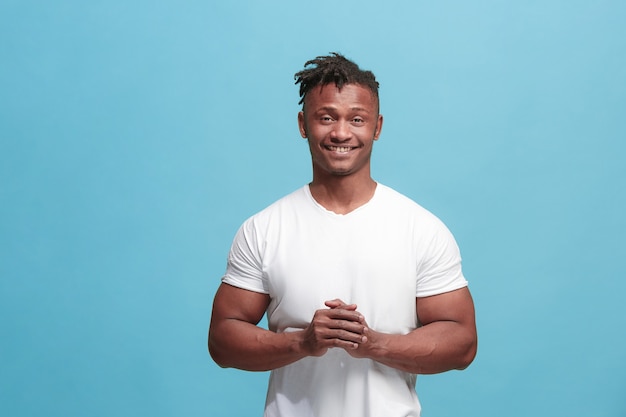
x=339, y=149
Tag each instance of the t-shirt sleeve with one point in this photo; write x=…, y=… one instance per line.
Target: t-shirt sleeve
x=244, y=266
x=440, y=268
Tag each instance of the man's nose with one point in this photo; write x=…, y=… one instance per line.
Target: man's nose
x=341, y=131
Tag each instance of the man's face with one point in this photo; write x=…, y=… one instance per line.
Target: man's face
x=341, y=127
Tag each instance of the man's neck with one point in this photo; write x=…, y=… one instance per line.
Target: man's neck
x=342, y=195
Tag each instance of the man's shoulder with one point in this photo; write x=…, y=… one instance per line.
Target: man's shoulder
x=293, y=199
x=394, y=197
x=297, y=196
x=403, y=205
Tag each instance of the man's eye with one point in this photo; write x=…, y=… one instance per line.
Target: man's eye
x=358, y=120
x=326, y=119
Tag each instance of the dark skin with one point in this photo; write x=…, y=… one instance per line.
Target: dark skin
x=341, y=126
x=445, y=341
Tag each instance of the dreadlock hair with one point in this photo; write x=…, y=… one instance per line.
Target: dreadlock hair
x=333, y=69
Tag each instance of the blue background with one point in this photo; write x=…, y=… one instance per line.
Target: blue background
x=136, y=136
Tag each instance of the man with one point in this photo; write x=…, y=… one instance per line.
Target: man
x=362, y=287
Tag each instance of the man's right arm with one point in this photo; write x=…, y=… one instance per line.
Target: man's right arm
x=236, y=341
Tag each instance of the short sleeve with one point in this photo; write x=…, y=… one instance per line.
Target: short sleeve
x=440, y=268
x=244, y=267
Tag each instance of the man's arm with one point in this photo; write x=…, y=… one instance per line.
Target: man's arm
x=447, y=339
x=236, y=341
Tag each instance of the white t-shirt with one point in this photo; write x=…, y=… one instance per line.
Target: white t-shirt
x=380, y=256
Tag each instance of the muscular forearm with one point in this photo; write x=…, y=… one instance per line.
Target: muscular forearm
x=245, y=346
x=437, y=347
x=236, y=341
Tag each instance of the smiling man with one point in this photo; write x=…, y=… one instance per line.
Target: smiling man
x=362, y=287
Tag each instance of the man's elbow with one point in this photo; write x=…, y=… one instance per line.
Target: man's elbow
x=217, y=355
x=468, y=355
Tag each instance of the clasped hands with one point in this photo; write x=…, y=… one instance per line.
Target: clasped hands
x=340, y=325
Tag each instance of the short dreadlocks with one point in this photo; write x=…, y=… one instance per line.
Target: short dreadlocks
x=336, y=69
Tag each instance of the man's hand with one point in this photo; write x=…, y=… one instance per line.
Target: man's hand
x=370, y=337
x=338, y=326
x=446, y=339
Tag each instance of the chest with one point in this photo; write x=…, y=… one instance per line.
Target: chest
x=371, y=264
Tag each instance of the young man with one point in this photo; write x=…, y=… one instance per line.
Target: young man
x=362, y=287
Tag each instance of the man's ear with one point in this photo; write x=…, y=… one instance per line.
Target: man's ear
x=379, y=127
x=301, y=125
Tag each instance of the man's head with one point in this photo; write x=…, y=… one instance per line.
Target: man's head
x=340, y=117
x=333, y=69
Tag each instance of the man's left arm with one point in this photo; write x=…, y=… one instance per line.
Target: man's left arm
x=446, y=340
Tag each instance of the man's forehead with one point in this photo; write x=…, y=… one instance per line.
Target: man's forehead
x=332, y=92
x=336, y=87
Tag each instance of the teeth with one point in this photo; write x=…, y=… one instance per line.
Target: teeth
x=341, y=149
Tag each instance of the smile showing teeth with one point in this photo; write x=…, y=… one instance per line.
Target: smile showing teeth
x=340, y=149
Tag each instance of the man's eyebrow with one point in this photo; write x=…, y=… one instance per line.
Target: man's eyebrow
x=333, y=108
x=326, y=108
